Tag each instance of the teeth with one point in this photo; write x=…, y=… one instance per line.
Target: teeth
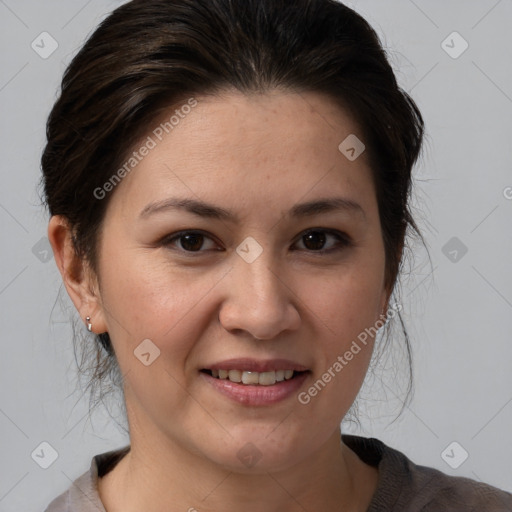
x=235, y=375
x=250, y=377
x=254, y=378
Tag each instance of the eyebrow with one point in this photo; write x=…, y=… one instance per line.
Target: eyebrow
x=207, y=210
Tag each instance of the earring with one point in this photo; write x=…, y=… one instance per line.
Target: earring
x=89, y=325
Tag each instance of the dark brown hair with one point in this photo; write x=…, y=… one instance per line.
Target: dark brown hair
x=150, y=54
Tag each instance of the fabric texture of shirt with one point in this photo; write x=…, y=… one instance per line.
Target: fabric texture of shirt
x=402, y=485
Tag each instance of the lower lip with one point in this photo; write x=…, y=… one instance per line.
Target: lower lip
x=256, y=395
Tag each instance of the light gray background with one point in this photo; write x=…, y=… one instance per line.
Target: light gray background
x=459, y=315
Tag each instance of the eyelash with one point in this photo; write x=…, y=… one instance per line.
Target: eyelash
x=344, y=240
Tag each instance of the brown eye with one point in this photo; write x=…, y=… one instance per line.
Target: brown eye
x=188, y=241
x=192, y=242
x=315, y=240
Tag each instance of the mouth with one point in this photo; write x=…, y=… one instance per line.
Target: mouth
x=254, y=382
x=252, y=378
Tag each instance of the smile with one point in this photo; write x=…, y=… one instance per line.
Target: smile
x=252, y=388
x=253, y=378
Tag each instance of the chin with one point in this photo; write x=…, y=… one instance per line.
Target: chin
x=257, y=452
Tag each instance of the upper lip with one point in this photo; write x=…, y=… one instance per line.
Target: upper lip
x=254, y=365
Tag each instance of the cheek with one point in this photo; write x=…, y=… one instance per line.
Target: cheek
x=345, y=301
x=345, y=313
x=169, y=308
x=346, y=310
x=145, y=297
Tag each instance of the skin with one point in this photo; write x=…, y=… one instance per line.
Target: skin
x=257, y=155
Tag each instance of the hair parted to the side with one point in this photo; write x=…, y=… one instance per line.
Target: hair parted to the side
x=150, y=55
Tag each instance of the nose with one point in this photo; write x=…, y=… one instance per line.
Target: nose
x=258, y=301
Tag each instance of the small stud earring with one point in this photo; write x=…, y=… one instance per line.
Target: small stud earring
x=89, y=325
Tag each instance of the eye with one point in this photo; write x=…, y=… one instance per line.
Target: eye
x=315, y=239
x=190, y=241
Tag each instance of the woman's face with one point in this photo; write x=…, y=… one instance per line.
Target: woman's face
x=249, y=289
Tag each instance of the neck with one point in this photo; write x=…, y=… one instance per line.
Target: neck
x=158, y=475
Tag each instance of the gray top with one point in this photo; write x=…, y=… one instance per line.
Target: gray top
x=402, y=485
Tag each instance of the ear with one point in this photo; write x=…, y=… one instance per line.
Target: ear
x=79, y=280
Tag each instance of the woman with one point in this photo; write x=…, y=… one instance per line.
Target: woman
x=228, y=183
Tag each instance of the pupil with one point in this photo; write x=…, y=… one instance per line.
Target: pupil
x=314, y=240
x=191, y=242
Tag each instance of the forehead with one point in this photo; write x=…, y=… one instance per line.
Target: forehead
x=273, y=148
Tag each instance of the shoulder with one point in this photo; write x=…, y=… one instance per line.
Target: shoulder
x=404, y=485
x=67, y=501
x=59, y=504
x=431, y=490
x=82, y=495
